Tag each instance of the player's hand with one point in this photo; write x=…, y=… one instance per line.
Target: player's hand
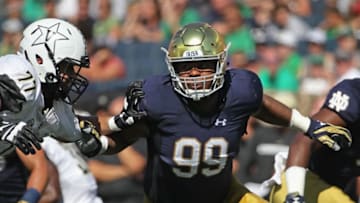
x=335, y=137
x=89, y=144
x=131, y=111
x=294, y=198
x=21, y=135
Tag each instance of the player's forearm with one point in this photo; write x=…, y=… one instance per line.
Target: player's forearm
x=116, y=143
x=300, y=151
x=36, y=183
x=274, y=112
x=38, y=178
x=297, y=162
x=122, y=139
x=37, y=164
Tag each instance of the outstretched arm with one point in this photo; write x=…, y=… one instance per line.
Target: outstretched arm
x=93, y=143
x=120, y=140
x=334, y=136
x=274, y=112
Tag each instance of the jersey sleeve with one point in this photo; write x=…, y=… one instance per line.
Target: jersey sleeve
x=247, y=89
x=256, y=91
x=11, y=97
x=18, y=83
x=344, y=99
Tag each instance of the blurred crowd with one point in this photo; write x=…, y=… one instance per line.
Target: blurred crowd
x=299, y=49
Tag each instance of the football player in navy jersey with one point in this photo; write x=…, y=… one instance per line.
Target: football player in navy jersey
x=330, y=176
x=193, y=120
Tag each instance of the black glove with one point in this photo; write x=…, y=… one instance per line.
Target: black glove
x=89, y=144
x=131, y=111
x=21, y=135
x=335, y=137
x=294, y=198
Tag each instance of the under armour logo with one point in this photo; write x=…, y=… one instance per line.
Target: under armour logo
x=339, y=101
x=221, y=122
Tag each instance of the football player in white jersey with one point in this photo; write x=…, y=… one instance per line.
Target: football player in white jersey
x=56, y=50
x=38, y=88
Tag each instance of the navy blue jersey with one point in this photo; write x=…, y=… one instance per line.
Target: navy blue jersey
x=190, y=157
x=13, y=178
x=339, y=168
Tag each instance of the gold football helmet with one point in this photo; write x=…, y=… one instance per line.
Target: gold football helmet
x=199, y=44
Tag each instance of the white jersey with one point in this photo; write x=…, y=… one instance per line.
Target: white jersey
x=20, y=71
x=59, y=122
x=76, y=181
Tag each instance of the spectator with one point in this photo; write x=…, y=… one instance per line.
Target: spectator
x=177, y=13
x=217, y=10
x=238, y=60
x=344, y=66
x=333, y=23
x=285, y=76
x=104, y=66
x=285, y=20
x=316, y=39
x=261, y=24
x=347, y=42
x=316, y=46
x=66, y=9
x=85, y=23
x=33, y=10
x=142, y=22
x=50, y=9
x=316, y=81
x=355, y=20
x=10, y=40
x=106, y=28
x=235, y=31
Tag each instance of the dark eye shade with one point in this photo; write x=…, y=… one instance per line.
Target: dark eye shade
x=186, y=66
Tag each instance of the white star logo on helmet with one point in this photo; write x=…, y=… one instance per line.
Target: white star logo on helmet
x=48, y=33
